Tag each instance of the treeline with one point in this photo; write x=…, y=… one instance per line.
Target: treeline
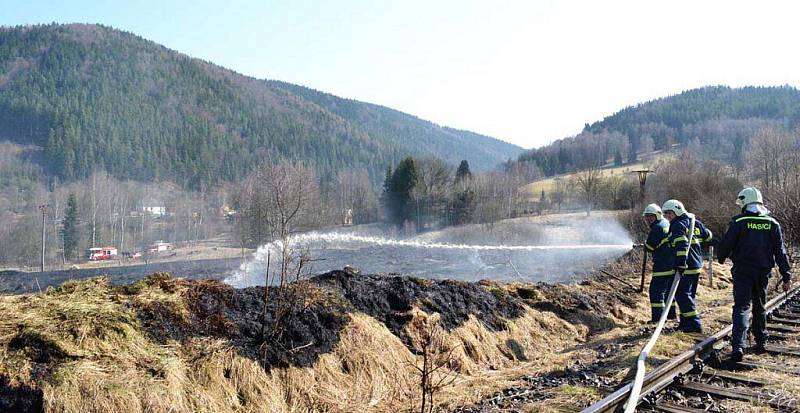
x=417, y=195
x=104, y=211
x=422, y=194
x=101, y=211
x=716, y=123
x=294, y=197
x=580, y=152
x=709, y=188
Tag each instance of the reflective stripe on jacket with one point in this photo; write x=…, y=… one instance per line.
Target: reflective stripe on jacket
x=689, y=259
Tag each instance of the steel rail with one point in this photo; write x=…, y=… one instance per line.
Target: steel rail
x=663, y=375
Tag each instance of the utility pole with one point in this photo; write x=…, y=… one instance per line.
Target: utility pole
x=642, y=174
x=43, y=208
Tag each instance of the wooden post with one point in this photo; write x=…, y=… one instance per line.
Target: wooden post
x=43, y=208
x=644, y=269
x=711, y=266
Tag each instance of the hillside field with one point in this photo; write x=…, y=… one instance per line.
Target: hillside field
x=534, y=189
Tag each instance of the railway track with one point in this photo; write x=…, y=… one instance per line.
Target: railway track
x=700, y=380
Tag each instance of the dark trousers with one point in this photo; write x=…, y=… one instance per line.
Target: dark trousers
x=690, y=318
x=749, y=284
x=659, y=290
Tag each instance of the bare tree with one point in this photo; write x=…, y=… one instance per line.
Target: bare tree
x=93, y=196
x=646, y=145
x=434, y=366
x=775, y=160
x=587, y=182
x=355, y=193
x=768, y=155
x=613, y=187
x=276, y=201
x=559, y=193
x=431, y=193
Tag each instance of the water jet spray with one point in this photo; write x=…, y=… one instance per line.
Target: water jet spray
x=558, y=250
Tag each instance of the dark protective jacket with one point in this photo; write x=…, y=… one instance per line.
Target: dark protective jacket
x=688, y=260
x=658, y=244
x=755, y=241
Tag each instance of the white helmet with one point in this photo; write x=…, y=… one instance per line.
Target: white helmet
x=653, y=209
x=675, y=206
x=748, y=196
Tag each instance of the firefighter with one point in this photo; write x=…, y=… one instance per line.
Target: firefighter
x=658, y=244
x=754, y=243
x=687, y=260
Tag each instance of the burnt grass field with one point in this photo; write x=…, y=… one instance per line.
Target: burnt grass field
x=17, y=282
x=237, y=314
x=309, y=328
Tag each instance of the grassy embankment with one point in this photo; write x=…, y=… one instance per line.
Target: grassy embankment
x=185, y=346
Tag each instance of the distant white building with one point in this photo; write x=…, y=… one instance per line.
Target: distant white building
x=154, y=207
x=159, y=246
x=347, y=217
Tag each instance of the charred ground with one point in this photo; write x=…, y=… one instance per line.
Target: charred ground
x=238, y=315
x=216, y=309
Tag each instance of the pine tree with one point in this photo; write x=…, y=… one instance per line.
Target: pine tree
x=463, y=170
x=463, y=206
x=69, y=228
x=398, y=191
x=386, y=194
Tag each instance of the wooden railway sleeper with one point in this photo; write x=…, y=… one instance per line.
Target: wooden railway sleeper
x=787, y=321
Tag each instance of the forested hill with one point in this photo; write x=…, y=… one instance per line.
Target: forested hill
x=379, y=120
x=698, y=105
x=98, y=98
x=718, y=121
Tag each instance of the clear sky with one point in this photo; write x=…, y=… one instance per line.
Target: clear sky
x=527, y=72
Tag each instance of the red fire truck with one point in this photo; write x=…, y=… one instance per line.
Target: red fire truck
x=102, y=254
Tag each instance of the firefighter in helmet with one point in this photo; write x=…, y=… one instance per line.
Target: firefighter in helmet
x=754, y=242
x=657, y=243
x=686, y=232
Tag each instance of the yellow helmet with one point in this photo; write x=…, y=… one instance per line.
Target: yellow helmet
x=653, y=209
x=749, y=195
x=675, y=206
